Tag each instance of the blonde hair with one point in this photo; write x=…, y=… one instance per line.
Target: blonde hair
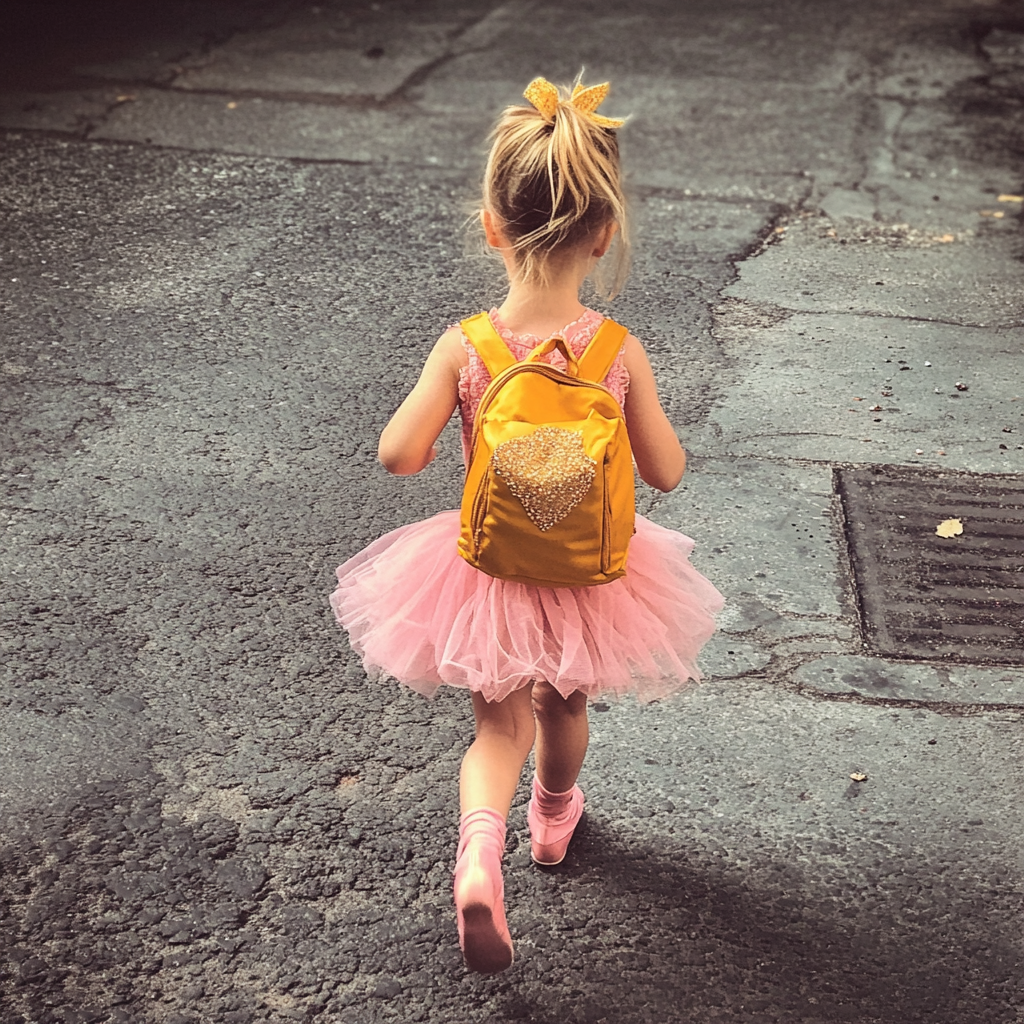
x=553, y=183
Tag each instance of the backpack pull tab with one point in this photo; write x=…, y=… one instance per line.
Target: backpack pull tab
x=572, y=366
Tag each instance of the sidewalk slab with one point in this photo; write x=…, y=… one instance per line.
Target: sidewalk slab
x=859, y=389
x=890, y=271
x=319, y=49
x=322, y=52
x=765, y=537
x=791, y=46
x=64, y=110
x=909, y=681
x=279, y=128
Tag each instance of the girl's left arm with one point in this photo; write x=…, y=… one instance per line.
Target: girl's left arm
x=407, y=442
x=660, y=459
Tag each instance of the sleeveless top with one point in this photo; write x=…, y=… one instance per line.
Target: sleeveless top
x=474, y=378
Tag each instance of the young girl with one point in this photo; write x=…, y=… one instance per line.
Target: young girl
x=530, y=656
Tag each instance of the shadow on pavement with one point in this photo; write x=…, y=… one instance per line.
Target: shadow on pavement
x=50, y=45
x=768, y=942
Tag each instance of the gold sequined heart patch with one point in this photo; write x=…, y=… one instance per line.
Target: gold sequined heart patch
x=549, y=471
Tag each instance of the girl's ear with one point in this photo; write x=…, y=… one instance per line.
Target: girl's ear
x=604, y=238
x=492, y=231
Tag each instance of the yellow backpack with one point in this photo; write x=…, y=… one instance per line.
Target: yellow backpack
x=548, y=498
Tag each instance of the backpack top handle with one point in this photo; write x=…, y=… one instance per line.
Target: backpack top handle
x=572, y=366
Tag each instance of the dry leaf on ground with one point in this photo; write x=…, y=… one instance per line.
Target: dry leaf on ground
x=950, y=528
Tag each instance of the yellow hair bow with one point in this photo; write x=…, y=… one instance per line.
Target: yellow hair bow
x=544, y=96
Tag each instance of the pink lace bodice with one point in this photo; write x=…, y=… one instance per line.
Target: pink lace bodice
x=474, y=378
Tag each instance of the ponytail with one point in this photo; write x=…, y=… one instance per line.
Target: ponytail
x=553, y=180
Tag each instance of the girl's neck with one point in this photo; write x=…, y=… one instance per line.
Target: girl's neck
x=541, y=309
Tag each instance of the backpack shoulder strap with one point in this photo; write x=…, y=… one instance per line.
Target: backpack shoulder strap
x=489, y=345
x=597, y=360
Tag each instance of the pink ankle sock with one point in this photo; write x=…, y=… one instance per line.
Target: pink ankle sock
x=485, y=826
x=548, y=804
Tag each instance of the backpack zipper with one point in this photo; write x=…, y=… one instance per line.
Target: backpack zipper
x=479, y=512
x=606, y=519
x=497, y=382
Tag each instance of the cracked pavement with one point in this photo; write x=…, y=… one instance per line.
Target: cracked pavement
x=230, y=232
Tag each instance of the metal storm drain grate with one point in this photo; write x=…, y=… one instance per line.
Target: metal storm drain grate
x=925, y=596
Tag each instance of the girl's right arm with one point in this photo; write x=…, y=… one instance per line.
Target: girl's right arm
x=407, y=442
x=660, y=459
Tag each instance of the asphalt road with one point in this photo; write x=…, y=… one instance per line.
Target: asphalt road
x=230, y=232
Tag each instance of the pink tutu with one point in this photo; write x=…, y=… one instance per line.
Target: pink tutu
x=417, y=612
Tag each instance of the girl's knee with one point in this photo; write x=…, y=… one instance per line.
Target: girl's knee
x=549, y=704
x=510, y=719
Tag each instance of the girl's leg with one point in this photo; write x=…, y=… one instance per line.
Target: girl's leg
x=490, y=774
x=563, y=733
x=495, y=759
x=557, y=803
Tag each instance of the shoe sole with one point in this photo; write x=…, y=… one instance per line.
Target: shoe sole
x=485, y=951
x=539, y=851
x=547, y=863
x=549, y=855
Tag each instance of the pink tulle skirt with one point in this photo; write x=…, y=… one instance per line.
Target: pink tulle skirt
x=415, y=611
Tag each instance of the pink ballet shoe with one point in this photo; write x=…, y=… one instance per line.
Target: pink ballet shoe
x=553, y=818
x=480, y=892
